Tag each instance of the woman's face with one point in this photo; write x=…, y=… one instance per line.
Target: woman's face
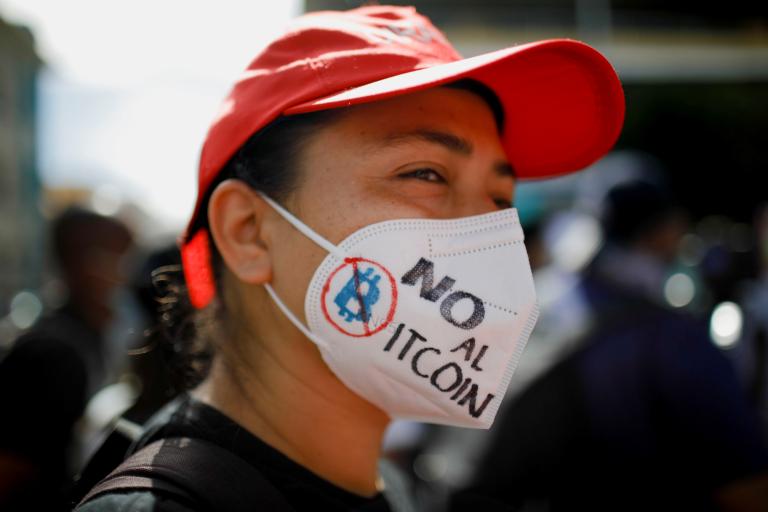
x=431, y=154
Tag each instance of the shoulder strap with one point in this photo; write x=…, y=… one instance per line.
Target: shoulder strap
x=105, y=459
x=195, y=472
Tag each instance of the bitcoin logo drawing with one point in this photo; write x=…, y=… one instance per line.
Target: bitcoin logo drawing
x=359, y=297
x=362, y=292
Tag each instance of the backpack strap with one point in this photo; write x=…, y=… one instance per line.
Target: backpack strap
x=195, y=472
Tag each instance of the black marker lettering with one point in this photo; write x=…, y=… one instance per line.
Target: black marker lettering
x=416, y=358
x=468, y=347
x=408, y=344
x=471, y=397
x=461, y=388
x=436, y=375
x=476, y=362
x=478, y=313
x=394, y=337
x=424, y=269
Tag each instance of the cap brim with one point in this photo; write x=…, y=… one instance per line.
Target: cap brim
x=563, y=103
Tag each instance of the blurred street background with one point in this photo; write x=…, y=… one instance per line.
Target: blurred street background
x=104, y=105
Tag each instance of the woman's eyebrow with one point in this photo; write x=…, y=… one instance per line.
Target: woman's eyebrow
x=447, y=140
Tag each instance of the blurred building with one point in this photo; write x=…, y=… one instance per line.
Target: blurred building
x=21, y=224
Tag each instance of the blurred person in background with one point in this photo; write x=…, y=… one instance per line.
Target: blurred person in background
x=151, y=355
x=357, y=147
x=160, y=366
x=643, y=413
x=751, y=353
x=53, y=369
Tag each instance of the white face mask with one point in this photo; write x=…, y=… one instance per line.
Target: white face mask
x=424, y=318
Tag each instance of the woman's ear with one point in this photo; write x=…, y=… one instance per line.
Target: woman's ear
x=236, y=217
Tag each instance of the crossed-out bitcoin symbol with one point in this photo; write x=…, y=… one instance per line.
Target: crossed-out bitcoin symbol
x=353, y=291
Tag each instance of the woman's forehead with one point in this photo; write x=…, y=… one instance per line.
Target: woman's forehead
x=455, y=118
x=434, y=124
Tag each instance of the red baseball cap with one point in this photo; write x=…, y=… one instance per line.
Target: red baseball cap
x=563, y=103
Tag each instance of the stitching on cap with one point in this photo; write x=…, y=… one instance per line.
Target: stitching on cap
x=319, y=66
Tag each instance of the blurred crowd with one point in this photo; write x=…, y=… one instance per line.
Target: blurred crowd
x=644, y=385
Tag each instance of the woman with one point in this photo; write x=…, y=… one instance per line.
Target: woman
x=353, y=248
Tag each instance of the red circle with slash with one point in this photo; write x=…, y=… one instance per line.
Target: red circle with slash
x=367, y=330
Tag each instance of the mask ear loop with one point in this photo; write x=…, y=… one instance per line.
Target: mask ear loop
x=319, y=240
x=293, y=318
x=304, y=229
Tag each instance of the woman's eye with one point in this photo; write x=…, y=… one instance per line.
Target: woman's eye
x=503, y=204
x=424, y=174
